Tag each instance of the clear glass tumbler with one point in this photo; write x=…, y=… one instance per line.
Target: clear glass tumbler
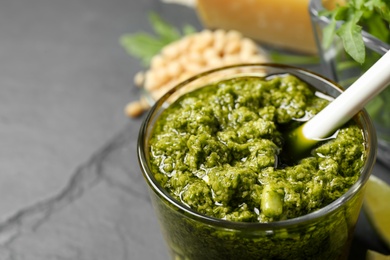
x=340, y=67
x=323, y=234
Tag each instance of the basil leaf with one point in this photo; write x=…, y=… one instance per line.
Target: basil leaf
x=188, y=29
x=141, y=45
x=166, y=32
x=144, y=46
x=383, y=9
x=350, y=33
x=342, y=13
x=375, y=106
x=358, y=4
x=328, y=34
x=372, y=15
x=378, y=28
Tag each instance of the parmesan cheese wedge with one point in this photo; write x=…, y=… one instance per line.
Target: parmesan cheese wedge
x=278, y=23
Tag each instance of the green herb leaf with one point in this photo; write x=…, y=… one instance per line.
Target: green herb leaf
x=380, y=7
x=351, y=36
x=375, y=106
x=144, y=46
x=358, y=4
x=378, y=28
x=188, y=29
x=371, y=15
x=329, y=33
x=341, y=13
x=165, y=31
x=141, y=45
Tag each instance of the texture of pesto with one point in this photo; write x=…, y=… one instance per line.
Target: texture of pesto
x=217, y=150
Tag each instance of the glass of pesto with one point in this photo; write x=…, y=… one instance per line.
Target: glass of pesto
x=211, y=153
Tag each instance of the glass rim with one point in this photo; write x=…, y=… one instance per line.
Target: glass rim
x=369, y=135
x=372, y=42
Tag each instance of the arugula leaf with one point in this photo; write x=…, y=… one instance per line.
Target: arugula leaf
x=145, y=46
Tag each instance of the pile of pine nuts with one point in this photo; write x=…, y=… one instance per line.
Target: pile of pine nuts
x=189, y=56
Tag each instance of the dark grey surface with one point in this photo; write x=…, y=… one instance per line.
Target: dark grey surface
x=70, y=186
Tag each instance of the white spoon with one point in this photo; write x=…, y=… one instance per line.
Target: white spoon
x=342, y=109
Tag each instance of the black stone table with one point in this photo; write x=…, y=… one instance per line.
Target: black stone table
x=70, y=185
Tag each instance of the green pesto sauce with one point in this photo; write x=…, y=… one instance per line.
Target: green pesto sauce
x=216, y=150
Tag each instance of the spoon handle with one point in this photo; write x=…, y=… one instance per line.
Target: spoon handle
x=351, y=101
